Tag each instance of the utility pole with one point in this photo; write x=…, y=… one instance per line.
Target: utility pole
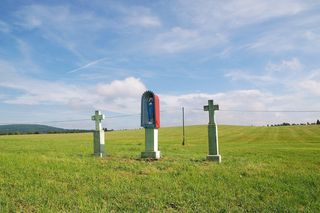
x=183, y=131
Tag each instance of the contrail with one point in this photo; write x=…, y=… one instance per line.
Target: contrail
x=87, y=65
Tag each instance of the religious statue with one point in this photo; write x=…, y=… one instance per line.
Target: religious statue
x=150, y=120
x=150, y=110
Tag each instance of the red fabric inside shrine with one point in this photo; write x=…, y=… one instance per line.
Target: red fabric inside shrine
x=157, y=111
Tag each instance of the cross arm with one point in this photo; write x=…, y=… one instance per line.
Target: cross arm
x=215, y=107
x=97, y=117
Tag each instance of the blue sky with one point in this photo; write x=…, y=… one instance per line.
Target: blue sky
x=60, y=60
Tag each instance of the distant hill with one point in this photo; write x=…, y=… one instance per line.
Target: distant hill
x=33, y=129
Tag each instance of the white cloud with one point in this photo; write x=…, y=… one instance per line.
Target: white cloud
x=179, y=39
x=299, y=87
x=276, y=42
x=135, y=16
x=230, y=100
x=284, y=73
x=312, y=36
x=230, y=14
x=285, y=66
x=130, y=87
x=287, y=73
x=272, y=26
x=61, y=18
x=43, y=92
x=311, y=86
x=311, y=83
x=123, y=96
x=79, y=31
x=116, y=96
x=175, y=40
x=146, y=21
x=62, y=24
x=240, y=75
x=237, y=100
x=6, y=70
x=300, y=33
x=206, y=24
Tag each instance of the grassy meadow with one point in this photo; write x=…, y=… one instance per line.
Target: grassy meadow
x=263, y=169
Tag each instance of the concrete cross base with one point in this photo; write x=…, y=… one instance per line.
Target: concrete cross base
x=100, y=154
x=214, y=158
x=151, y=154
x=98, y=143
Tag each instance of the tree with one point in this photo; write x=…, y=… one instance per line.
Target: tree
x=318, y=122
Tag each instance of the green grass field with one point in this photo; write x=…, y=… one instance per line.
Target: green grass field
x=263, y=169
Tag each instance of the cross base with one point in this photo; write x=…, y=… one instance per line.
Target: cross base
x=151, y=146
x=153, y=155
x=214, y=158
x=98, y=143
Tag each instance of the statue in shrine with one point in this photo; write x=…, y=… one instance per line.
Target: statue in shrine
x=150, y=120
x=150, y=110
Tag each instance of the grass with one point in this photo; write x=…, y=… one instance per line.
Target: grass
x=263, y=169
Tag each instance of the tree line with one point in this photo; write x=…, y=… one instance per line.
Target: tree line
x=295, y=124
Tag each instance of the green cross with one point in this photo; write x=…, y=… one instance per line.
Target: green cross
x=98, y=117
x=211, y=108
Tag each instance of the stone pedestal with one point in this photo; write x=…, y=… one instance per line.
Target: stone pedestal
x=216, y=158
x=151, y=140
x=213, y=143
x=98, y=143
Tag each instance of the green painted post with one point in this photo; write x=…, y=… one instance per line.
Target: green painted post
x=212, y=133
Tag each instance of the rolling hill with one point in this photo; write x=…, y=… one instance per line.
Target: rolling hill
x=31, y=128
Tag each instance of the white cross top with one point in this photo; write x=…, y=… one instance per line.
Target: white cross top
x=98, y=117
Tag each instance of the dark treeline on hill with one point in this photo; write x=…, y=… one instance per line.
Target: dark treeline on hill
x=294, y=124
x=108, y=130
x=17, y=129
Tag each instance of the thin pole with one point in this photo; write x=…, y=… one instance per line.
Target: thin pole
x=183, y=131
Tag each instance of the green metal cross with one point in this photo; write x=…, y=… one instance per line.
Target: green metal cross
x=211, y=108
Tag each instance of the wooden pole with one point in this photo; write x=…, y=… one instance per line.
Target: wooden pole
x=183, y=130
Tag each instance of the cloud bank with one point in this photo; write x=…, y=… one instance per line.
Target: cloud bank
x=123, y=97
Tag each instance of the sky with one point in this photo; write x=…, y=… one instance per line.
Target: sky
x=61, y=60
